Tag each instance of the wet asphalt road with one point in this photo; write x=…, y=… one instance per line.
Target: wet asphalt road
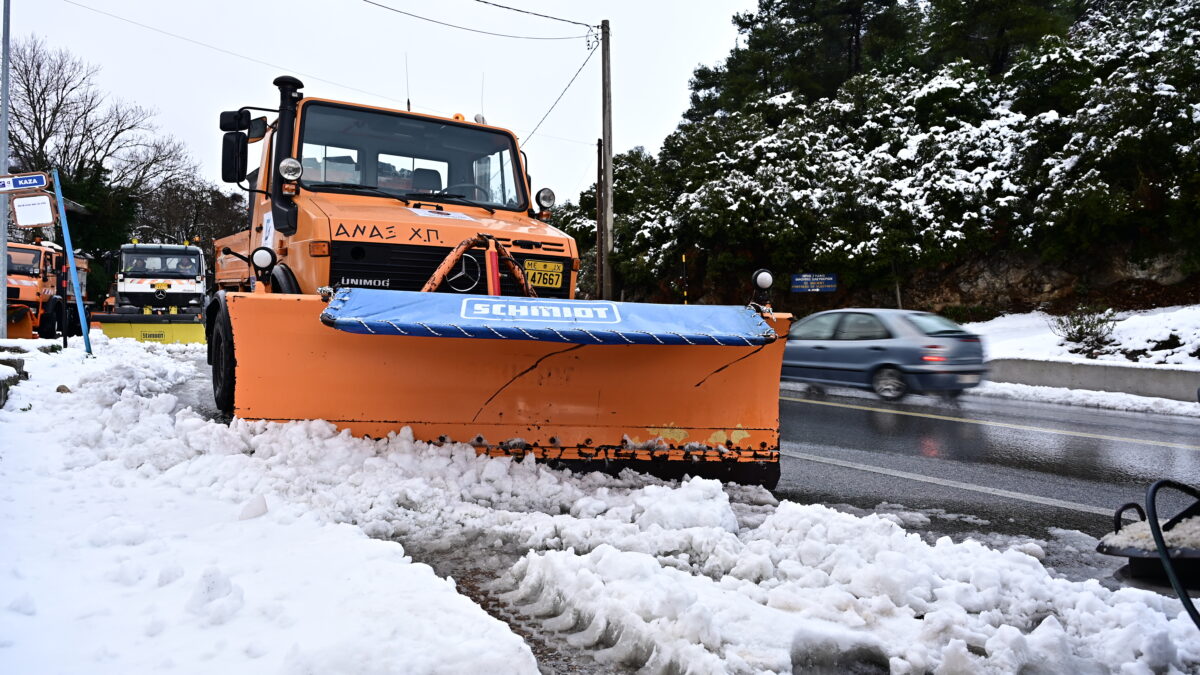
x=1024, y=467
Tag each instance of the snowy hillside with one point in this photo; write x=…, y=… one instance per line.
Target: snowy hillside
x=143, y=537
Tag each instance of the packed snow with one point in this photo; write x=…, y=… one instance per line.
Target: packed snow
x=141, y=536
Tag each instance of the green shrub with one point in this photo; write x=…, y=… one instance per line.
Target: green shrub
x=1087, y=327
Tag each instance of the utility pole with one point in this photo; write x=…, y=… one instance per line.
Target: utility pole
x=4, y=171
x=599, y=286
x=607, y=216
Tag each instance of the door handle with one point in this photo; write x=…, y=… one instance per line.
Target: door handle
x=878, y=349
x=819, y=347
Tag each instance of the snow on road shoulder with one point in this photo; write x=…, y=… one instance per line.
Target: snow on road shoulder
x=141, y=500
x=1145, y=334
x=106, y=567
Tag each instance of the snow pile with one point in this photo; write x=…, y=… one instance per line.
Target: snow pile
x=1185, y=534
x=1167, y=337
x=146, y=537
x=108, y=567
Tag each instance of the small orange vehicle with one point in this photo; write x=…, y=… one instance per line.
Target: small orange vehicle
x=40, y=299
x=395, y=275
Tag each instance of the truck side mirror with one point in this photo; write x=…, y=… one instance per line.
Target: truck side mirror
x=233, y=157
x=257, y=129
x=235, y=120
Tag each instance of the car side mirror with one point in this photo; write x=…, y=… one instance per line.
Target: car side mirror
x=233, y=157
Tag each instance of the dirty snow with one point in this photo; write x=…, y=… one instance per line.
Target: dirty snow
x=142, y=537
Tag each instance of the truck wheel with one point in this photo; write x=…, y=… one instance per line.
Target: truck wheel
x=223, y=361
x=48, y=322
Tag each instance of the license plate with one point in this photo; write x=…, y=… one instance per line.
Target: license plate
x=968, y=379
x=162, y=286
x=544, y=273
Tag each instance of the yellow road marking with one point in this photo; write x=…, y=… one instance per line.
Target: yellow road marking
x=989, y=423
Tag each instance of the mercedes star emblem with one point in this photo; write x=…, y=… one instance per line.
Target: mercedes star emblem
x=466, y=275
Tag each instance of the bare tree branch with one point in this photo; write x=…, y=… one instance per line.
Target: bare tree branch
x=60, y=119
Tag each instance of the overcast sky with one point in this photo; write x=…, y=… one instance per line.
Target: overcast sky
x=355, y=51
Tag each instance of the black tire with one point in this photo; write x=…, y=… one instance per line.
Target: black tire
x=952, y=394
x=48, y=323
x=283, y=281
x=224, y=363
x=73, y=327
x=889, y=384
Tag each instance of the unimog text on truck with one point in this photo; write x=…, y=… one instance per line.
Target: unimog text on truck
x=395, y=274
x=157, y=294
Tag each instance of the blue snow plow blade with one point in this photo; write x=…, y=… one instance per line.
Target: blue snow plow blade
x=594, y=322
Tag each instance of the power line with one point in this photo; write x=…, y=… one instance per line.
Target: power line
x=564, y=91
x=475, y=30
x=308, y=76
x=525, y=11
x=235, y=54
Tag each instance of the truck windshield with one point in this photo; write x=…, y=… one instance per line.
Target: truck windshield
x=146, y=265
x=342, y=147
x=23, y=262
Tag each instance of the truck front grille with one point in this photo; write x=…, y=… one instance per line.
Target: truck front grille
x=403, y=267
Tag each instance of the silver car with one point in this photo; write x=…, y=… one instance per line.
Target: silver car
x=891, y=351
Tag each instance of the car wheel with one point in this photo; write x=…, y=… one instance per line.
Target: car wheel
x=889, y=383
x=952, y=394
x=223, y=361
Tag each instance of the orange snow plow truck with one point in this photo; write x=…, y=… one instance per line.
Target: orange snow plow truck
x=41, y=301
x=394, y=275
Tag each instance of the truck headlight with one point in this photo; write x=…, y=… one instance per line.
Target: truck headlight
x=545, y=198
x=290, y=168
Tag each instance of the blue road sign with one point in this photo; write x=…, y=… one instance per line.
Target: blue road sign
x=814, y=283
x=29, y=181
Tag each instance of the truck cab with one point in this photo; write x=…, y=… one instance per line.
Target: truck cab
x=40, y=298
x=158, y=279
x=359, y=196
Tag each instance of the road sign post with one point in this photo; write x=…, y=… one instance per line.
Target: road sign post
x=84, y=327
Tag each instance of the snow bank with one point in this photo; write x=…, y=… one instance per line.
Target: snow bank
x=106, y=566
x=146, y=536
x=1028, y=336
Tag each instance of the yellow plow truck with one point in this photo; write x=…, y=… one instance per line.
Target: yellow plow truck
x=396, y=274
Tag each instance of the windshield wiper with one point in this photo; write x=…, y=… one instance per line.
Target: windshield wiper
x=448, y=198
x=355, y=187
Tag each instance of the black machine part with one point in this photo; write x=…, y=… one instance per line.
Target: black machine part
x=1164, y=553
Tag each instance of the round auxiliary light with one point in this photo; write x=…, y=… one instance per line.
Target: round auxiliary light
x=545, y=198
x=290, y=168
x=263, y=258
x=763, y=279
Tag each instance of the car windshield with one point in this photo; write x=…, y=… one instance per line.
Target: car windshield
x=160, y=264
x=24, y=262
x=409, y=156
x=932, y=324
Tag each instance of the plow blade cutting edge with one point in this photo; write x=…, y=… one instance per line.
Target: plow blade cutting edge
x=666, y=389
